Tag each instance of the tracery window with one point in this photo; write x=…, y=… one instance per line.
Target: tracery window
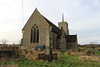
x=34, y=34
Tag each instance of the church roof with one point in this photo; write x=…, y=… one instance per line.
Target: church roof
x=54, y=27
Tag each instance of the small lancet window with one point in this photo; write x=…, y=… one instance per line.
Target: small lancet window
x=34, y=34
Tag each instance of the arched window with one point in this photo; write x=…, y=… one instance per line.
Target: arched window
x=34, y=34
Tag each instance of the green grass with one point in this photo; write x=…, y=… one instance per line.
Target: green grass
x=64, y=61
x=96, y=52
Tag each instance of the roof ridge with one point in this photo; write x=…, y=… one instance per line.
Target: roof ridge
x=54, y=27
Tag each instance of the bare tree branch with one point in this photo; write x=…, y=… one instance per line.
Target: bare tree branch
x=4, y=41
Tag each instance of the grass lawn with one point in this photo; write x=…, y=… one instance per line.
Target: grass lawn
x=64, y=61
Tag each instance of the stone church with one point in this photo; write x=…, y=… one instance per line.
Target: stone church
x=39, y=31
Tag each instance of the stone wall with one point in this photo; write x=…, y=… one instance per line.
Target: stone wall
x=72, y=45
x=37, y=19
x=65, y=27
x=53, y=37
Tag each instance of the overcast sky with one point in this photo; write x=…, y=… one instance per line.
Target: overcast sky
x=83, y=17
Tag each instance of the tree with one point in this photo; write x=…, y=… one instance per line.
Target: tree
x=4, y=41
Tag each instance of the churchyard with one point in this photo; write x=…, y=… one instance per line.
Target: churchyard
x=80, y=57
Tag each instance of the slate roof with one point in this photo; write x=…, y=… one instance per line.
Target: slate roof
x=54, y=27
x=71, y=38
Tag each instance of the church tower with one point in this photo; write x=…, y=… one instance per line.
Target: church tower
x=64, y=24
